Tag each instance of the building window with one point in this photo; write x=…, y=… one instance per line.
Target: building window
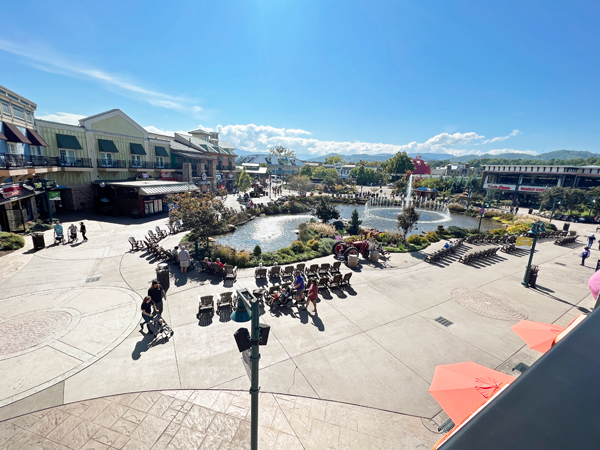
x=13, y=148
x=29, y=117
x=106, y=159
x=18, y=112
x=5, y=108
x=67, y=157
x=160, y=162
x=35, y=150
x=136, y=161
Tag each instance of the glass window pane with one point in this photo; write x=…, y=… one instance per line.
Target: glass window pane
x=18, y=112
x=5, y=108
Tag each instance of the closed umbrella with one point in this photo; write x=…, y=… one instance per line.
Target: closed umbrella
x=594, y=284
x=461, y=388
x=538, y=336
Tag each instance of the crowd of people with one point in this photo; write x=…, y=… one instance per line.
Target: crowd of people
x=59, y=232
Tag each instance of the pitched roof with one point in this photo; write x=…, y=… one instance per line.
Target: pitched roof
x=99, y=114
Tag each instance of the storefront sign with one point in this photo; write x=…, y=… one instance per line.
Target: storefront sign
x=54, y=195
x=165, y=174
x=532, y=188
x=523, y=242
x=500, y=187
x=11, y=191
x=219, y=176
x=230, y=175
x=202, y=182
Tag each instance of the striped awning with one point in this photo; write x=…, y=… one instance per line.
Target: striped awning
x=172, y=189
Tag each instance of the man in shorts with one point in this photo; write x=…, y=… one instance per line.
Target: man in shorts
x=184, y=259
x=299, y=286
x=157, y=294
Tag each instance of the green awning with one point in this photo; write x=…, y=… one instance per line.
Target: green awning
x=160, y=151
x=70, y=142
x=136, y=149
x=107, y=146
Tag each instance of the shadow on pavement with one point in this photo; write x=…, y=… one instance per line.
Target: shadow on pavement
x=141, y=346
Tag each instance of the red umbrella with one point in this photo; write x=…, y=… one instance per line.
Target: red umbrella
x=461, y=388
x=539, y=336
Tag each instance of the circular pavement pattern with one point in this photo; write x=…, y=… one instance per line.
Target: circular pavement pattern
x=563, y=276
x=489, y=305
x=28, y=330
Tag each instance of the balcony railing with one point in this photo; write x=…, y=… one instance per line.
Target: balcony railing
x=11, y=161
x=164, y=166
x=112, y=164
x=133, y=164
x=70, y=162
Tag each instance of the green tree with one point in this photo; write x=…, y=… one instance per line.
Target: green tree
x=244, y=181
x=364, y=176
x=354, y=227
x=331, y=179
x=397, y=165
x=572, y=198
x=282, y=151
x=322, y=172
x=306, y=171
x=337, y=159
x=326, y=211
x=300, y=183
x=407, y=219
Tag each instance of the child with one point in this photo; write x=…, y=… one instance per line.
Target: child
x=584, y=254
x=313, y=294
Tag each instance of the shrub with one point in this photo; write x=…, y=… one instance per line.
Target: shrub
x=11, y=241
x=518, y=228
x=297, y=247
x=440, y=230
x=550, y=226
x=257, y=251
x=286, y=251
x=229, y=255
x=415, y=239
x=323, y=229
x=498, y=231
x=313, y=244
x=457, y=231
x=326, y=246
x=432, y=236
x=475, y=231
x=456, y=208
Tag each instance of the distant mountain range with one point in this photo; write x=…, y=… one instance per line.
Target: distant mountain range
x=557, y=154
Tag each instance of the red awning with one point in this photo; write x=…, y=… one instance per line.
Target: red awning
x=13, y=134
x=35, y=138
x=2, y=136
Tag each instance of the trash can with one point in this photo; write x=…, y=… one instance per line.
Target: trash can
x=162, y=275
x=533, y=274
x=38, y=241
x=352, y=260
x=566, y=226
x=374, y=256
x=530, y=211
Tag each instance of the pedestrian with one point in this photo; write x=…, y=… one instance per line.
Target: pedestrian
x=584, y=254
x=313, y=294
x=184, y=259
x=82, y=230
x=157, y=294
x=146, y=312
x=517, y=210
x=591, y=240
x=299, y=286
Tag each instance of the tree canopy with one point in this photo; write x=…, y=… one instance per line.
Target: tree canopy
x=244, y=181
x=398, y=164
x=306, y=170
x=364, y=176
x=300, y=183
x=407, y=219
x=282, y=151
x=337, y=159
x=325, y=210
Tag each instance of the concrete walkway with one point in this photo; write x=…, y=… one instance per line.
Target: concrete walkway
x=71, y=332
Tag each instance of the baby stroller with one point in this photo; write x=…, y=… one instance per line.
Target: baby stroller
x=160, y=329
x=283, y=299
x=59, y=238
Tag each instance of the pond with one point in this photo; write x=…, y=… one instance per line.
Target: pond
x=275, y=232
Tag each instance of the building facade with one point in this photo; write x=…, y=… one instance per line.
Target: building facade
x=276, y=165
x=526, y=183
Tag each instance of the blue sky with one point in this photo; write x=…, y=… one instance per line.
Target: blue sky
x=319, y=76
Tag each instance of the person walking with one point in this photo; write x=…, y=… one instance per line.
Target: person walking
x=157, y=294
x=591, y=240
x=313, y=294
x=184, y=259
x=584, y=254
x=146, y=312
x=299, y=286
x=82, y=230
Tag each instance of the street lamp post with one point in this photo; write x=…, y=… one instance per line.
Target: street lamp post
x=248, y=310
x=591, y=206
x=533, y=233
x=553, y=207
x=481, y=213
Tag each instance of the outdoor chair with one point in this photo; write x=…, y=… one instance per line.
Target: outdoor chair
x=323, y=282
x=288, y=272
x=135, y=245
x=218, y=270
x=346, y=279
x=285, y=285
x=161, y=233
x=335, y=267
x=171, y=229
x=324, y=269
x=300, y=267
x=230, y=272
x=205, y=266
x=336, y=281
x=206, y=304
x=311, y=272
x=275, y=272
x=261, y=272
x=154, y=238
x=224, y=299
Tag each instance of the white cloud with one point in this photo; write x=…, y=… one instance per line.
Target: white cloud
x=62, y=117
x=48, y=60
x=152, y=129
x=501, y=138
x=499, y=151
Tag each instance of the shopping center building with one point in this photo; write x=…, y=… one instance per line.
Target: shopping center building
x=525, y=183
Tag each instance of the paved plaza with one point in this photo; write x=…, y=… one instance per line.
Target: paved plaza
x=78, y=373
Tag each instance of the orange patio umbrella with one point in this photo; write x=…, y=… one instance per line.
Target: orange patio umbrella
x=460, y=388
x=539, y=336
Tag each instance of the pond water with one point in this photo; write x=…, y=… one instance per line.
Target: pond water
x=275, y=232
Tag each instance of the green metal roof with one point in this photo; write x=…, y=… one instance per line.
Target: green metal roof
x=160, y=151
x=107, y=146
x=136, y=149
